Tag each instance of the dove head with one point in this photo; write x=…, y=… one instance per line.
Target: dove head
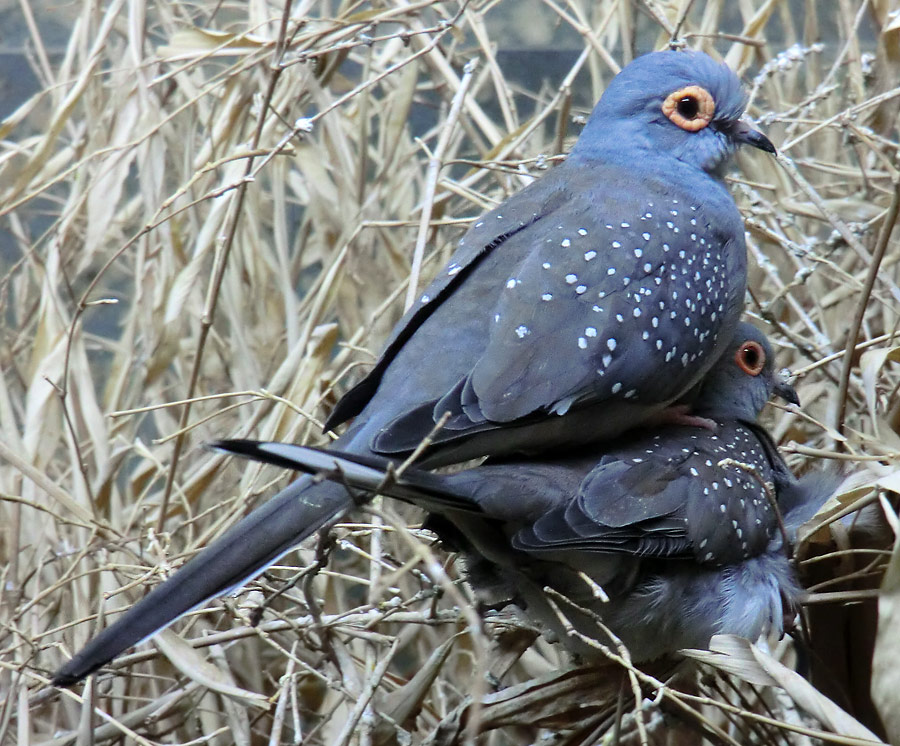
x=672, y=104
x=741, y=382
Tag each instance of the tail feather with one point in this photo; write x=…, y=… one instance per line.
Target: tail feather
x=263, y=537
x=366, y=473
x=239, y=555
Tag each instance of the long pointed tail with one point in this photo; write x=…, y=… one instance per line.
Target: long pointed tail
x=240, y=554
x=365, y=473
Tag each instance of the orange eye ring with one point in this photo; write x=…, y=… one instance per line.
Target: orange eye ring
x=691, y=108
x=750, y=358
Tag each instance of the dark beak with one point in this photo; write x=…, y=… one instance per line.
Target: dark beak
x=785, y=391
x=744, y=134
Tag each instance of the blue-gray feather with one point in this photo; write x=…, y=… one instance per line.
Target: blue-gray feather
x=686, y=546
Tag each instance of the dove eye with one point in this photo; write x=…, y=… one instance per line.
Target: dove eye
x=690, y=108
x=751, y=358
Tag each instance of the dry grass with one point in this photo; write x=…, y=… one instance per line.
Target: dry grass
x=227, y=206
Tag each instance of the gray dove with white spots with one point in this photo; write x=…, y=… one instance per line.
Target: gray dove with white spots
x=675, y=523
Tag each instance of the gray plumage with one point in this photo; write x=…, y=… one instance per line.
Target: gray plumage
x=581, y=306
x=684, y=545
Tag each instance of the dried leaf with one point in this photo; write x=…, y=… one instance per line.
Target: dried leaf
x=106, y=190
x=193, y=665
x=732, y=655
x=200, y=42
x=741, y=658
x=870, y=364
x=885, y=670
x=811, y=700
x=406, y=701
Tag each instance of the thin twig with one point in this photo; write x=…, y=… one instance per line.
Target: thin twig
x=884, y=237
x=221, y=262
x=435, y=163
